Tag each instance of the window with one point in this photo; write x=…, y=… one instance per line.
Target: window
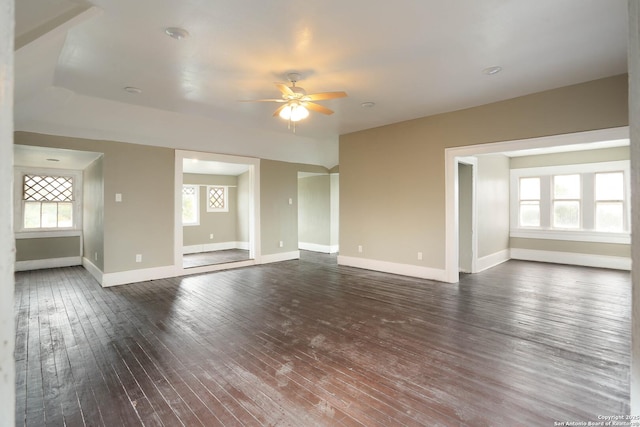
x=190, y=205
x=566, y=201
x=217, y=197
x=584, y=202
x=609, y=201
x=47, y=199
x=529, y=202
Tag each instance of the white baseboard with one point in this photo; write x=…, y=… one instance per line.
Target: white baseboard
x=209, y=247
x=395, y=268
x=283, y=256
x=92, y=269
x=492, y=260
x=39, y=264
x=314, y=247
x=133, y=276
x=588, y=260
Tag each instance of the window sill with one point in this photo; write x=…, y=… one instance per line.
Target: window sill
x=36, y=234
x=572, y=235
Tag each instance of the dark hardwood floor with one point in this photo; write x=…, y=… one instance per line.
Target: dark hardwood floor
x=309, y=343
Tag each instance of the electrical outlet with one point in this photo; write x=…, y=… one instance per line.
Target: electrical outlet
x=95, y=256
x=290, y=201
x=118, y=197
x=138, y=257
x=419, y=256
x=281, y=244
x=359, y=248
x=211, y=236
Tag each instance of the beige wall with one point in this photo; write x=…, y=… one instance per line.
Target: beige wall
x=143, y=222
x=47, y=247
x=93, y=213
x=279, y=219
x=634, y=90
x=334, y=235
x=492, y=204
x=244, y=194
x=7, y=242
x=608, y=249
x=392, y=178
x=314, y=209
x=572, y=158
x=223, y=225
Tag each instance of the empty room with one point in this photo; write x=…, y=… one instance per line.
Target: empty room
x=319, y=214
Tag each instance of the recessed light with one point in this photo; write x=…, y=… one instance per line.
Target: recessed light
x=490, y=71
x=133, y=89
x=176, y=33
x=368, y=104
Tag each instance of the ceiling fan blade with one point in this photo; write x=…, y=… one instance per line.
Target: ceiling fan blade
x=277, y=112
x=284, y=89
x=325, y=95
x=263, y=100
x=318, y=108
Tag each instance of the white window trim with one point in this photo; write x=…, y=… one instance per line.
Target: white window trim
x=19, y=173
x=197, y=222
x=226, y=199
x=587, y=216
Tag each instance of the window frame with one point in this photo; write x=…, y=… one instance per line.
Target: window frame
x=197, y=203
x=19, y=202
x=586, y=232
x=225, y=208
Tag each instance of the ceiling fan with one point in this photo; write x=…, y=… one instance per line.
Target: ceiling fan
x=297, y=102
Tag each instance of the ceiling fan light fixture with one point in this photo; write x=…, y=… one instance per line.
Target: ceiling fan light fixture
x=490, y=71
x=176, y=33
x=294, y=112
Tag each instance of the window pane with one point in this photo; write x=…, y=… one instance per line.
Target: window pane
x=610, y=186
x=32, y=215
x=609, y=216
x=566, y=186
x=49, y=215
x=65, y=214
x=530, y=214
x=190, y=204
x=529, y=188
x=566, y=214
x=216, y=197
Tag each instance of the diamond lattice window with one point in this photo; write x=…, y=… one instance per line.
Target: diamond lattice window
x=217, y=199
x=48, y=202
x=39, y=188
x=190, y=205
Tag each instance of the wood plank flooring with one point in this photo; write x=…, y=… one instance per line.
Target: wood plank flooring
x=310, y=343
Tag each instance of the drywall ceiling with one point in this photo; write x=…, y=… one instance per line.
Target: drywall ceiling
x=213, y=168
x=52, y=158
x=411, y=58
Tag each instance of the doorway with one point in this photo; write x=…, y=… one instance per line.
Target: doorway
x=217, y=199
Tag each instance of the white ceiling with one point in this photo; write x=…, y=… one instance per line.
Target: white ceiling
x=52, y=158
x=213, y=168
x=412, y=58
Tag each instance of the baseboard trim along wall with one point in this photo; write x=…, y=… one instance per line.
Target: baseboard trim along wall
x=394, y=268
x=134, y=276
x=283, y=256
x=92, y=269
x=314, y=247
x=488, y=261
x=588, y=260
x=39, y=264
